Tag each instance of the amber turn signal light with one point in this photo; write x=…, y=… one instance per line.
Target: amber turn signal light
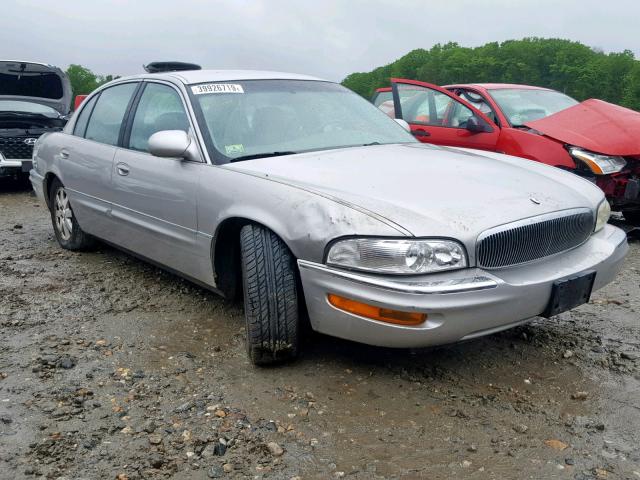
x=376, y=313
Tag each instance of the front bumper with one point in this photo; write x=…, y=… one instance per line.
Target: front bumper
x=461, y=304
x=12, y=167
x=37, y=182
x=621, y=189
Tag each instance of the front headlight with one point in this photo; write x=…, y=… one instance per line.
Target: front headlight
x=598, y=164
x=602, y=217
x=397, y=256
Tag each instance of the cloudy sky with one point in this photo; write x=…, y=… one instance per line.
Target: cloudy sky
x=327, y=38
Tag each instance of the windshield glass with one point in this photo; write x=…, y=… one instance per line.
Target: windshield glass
x=522, y=105
x=262, y=117
x=27, y=107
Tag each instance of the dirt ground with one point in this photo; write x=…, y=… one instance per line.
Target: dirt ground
x=112, y=368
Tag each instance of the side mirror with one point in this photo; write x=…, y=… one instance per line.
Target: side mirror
x=403, y=124
x=476, y=125
x=173, y=144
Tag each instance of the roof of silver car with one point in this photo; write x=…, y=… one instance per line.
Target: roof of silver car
x=201, y=76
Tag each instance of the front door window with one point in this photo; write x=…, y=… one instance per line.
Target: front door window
x=442, y=118
x=425, y=106
x=160, y=108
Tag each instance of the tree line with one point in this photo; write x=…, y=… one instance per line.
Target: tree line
x=570, y=67
x=84, y=81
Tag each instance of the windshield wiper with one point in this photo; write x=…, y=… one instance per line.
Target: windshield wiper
x=261, y=155
x=370, y=144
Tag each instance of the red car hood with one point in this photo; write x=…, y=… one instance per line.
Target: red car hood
x=595, y=125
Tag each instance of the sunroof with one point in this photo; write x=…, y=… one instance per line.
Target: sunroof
x=159, y=67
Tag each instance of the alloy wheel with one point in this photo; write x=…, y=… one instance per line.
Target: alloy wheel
x=63, y=214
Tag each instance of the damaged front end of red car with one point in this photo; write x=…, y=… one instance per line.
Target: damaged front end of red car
x=604, y=142
x=622, y=188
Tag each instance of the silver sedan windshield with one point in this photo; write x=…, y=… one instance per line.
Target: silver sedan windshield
x=254, y=118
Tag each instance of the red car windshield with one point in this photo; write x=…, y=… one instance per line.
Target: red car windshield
x=522, y=105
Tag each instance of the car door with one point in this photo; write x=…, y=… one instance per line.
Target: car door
x=155, y=198
x=439, y=117
x=86, y=157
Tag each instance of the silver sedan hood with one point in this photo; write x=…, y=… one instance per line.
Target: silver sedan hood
x=431, y=191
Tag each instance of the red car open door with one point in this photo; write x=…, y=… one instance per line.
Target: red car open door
x=440, y=117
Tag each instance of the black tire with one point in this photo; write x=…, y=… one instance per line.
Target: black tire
x=270, y=296
x=632, y=217
x=73, y=238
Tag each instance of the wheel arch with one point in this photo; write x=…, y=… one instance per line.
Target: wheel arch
x=49, y=178
x=225, y=254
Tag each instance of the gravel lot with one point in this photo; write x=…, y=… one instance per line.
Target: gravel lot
x=112, y=368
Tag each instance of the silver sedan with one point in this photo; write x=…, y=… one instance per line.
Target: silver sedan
x=313, y=205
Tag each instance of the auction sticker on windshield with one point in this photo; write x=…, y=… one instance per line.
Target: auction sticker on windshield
x=217, y=88
x=234, y=149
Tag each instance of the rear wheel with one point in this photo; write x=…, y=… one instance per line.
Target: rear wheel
x=68, y=233
x=270, y=296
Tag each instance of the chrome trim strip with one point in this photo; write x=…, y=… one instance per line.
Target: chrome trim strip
x=468, y=284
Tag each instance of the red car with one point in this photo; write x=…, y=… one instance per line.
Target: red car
x=595, y=139
x=78, y=101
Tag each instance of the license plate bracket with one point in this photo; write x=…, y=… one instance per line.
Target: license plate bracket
x=570, y=292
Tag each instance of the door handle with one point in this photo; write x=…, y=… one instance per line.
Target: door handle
x=64, y=153
x=123, y=169
x=420, y=133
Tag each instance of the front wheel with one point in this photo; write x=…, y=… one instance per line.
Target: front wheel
x=68, y=233
x=270, y=296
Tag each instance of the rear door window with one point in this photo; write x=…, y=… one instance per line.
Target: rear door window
x=106, y=119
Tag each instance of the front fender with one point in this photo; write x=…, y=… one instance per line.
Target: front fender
x=534, y=146
x=304, y=220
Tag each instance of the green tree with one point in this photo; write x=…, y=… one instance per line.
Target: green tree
x=84, y=81
x=570, y=67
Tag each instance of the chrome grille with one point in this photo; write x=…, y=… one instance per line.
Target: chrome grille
x=534, y=238
x=15, y=148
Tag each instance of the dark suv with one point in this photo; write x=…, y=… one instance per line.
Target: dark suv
x=35, y=98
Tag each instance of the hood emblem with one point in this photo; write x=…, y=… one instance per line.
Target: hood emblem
x=534, y=200
x=30, y=141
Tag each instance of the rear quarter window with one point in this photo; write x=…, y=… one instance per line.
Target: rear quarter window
x=80, y=127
